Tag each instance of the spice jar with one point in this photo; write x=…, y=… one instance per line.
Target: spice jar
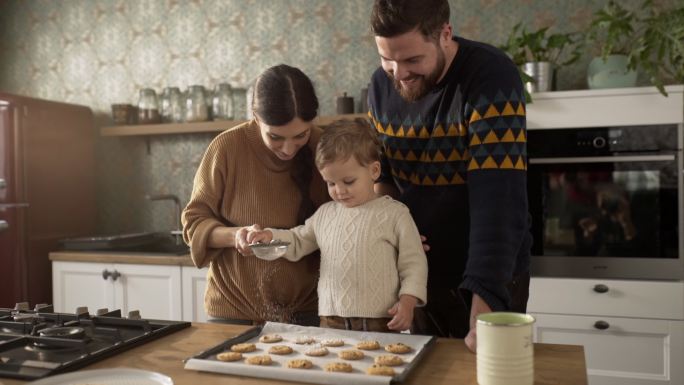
x=171, y=105
x=148, y=107
x=196, y=107
x=222, y=102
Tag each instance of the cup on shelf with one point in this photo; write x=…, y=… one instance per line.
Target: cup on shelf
x=345, y=104
x=123, y=114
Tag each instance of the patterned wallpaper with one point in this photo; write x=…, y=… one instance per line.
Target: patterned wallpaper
x=99, y=52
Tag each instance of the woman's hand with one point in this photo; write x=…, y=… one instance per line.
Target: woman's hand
x=402, y=313
x=258, y=235
x=241, y=241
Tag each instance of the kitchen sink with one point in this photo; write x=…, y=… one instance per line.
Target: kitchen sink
x=138, y=243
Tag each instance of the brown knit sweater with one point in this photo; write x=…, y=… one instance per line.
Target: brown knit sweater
x=241, y=182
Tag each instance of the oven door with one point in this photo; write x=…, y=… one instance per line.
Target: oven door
x=609, y=207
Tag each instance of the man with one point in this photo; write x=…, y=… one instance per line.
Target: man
x=451, y=116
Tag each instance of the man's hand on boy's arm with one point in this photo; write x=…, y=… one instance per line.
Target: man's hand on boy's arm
x=402, y=313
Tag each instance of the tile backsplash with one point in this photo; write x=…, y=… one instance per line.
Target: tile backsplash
x=99, y=52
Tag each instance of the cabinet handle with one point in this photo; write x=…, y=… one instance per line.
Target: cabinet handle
x=3, y=184
x=106, y=274
x=601, y=325
x=4, y=225
x=115, y=275
x=601, y=288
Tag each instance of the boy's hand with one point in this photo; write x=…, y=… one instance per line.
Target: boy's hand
x=257, y=235
x=402, y=313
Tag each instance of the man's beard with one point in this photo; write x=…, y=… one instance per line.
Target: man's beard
x=424, y=84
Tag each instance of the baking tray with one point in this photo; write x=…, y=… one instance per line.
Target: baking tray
x=207, y=361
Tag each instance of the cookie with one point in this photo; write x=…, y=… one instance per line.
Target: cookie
x=243, y=348
x=280, y=349
x=316, y=351
x=300, y=364
x=332, y=342
x=303, y=340
x=338, y=367
x=389, y=360
x=229, y=356
x=270, y=338
x=380, y=370
x=398, y=348
x=368, y=345
x=351, y=354
x=259, y=360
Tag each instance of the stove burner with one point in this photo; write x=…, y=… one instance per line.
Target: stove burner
x=70, y=332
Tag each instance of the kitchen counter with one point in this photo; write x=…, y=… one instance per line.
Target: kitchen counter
x=448, y=362
x=118, y=257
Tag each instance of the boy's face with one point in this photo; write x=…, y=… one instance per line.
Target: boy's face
x=350, y=183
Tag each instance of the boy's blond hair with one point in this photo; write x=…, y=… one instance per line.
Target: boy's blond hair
x=345, y=138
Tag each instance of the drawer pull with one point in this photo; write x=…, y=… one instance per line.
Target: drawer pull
x=601, y=288
x=601, y=325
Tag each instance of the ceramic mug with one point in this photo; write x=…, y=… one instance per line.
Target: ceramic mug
x=505, y=354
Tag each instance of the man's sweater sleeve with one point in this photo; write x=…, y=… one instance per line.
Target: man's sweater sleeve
x=497, y=187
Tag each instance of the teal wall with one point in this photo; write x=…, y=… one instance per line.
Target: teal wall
x=99, y=52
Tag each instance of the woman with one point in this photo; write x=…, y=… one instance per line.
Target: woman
x=261, y=171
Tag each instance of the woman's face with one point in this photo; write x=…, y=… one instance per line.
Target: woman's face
x=286, y=140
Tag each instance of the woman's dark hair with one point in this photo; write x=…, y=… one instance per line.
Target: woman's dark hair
x=282, y=93
x=390, y=18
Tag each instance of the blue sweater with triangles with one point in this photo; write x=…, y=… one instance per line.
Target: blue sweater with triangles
x=458, y=156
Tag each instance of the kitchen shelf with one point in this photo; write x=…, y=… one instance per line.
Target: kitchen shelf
x=198, y=127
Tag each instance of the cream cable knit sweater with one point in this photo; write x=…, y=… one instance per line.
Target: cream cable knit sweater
x=370, y=255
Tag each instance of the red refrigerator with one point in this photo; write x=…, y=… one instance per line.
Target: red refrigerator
x=47, y=190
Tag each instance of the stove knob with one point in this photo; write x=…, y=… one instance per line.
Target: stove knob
x=21, y=306
x=81, y=310
x=102, y=311
x=134, y=314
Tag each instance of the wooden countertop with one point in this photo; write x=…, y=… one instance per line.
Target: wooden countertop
x=449, y=362
x=117, y=257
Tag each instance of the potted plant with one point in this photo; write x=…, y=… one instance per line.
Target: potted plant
x=610, y=35
x=539, y=55
x=659, y=49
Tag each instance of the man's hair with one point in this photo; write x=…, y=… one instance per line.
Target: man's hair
x=390, y=18
x=343, y=139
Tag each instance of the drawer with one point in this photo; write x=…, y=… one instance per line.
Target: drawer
x=627, y=351
x=620, y=298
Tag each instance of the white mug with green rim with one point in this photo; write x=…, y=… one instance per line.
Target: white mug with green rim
x=505, y=354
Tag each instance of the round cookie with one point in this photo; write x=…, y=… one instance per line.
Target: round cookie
x=280, y=349
x=300, y=364
x=389, y=360
x=259, y=360
x=398, y=348
x=303, y=340
x=338, y=367
x=316, y=351
x=380, y=370
x=351, y=354
x=333, y=342
x=368, y=345
x=270, y=338
x=243, y=348
x=229, y=356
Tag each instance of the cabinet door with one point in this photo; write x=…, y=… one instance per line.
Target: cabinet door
x=76, y=284
x=627, y=351
x=194, y=284
x=154, y=290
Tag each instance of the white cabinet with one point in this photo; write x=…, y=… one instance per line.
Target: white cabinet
x=154, y=290
x=632, y=331
x=194, y=283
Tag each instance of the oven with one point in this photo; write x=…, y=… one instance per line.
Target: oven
x=607, y=202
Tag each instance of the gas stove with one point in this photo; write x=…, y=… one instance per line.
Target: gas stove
x=40, y=342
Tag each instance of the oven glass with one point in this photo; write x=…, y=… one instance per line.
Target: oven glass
x=607, y=207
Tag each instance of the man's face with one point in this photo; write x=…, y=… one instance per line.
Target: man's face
x=413, y=62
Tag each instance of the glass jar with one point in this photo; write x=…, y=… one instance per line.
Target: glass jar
x=171, y=105
x=222, y=102
x=148, y=107
x=248, y=102
x=196, y=108
x=239, y=103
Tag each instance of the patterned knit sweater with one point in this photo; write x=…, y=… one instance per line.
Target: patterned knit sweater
x=241, y=182
x=458, y=156
x=370, y=255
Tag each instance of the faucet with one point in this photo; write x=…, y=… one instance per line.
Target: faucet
x=177, y=232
